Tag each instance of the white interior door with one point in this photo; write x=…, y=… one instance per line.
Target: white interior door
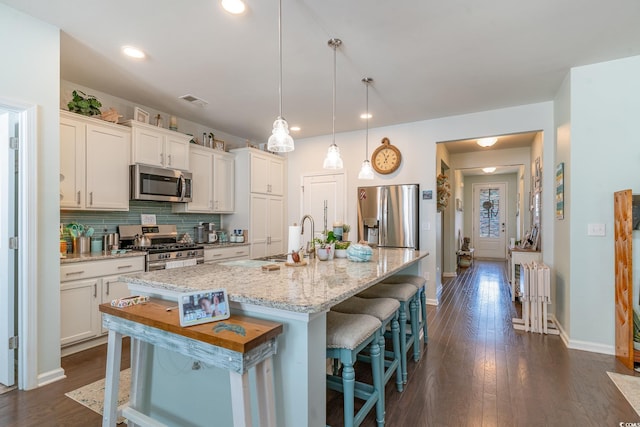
x=7, y=255
x=489, y=215
x=315, y=190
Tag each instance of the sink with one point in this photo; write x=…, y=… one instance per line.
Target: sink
x=274, y=258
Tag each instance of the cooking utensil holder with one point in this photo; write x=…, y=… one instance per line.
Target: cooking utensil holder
x=81, y=245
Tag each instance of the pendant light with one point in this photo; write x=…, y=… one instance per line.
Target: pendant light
x=366, y=171
x=333, y=159
x=280, y=141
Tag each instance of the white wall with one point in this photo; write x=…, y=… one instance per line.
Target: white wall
x=604, y=158
x=417, y=141
x=30, y=75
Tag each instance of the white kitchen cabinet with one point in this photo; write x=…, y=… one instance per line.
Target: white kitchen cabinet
x=225, y=253
x=260, y=209
x=94, y=164
x=160, y=147
x=267, y=173
x=83, y=287
x=213, y=182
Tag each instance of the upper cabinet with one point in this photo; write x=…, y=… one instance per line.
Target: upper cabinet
x=267, y=173
x=160, y=147
x=94, y=164
x=213, y=182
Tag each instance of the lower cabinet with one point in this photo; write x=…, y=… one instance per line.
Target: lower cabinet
x=213, y=255
x=83, y=287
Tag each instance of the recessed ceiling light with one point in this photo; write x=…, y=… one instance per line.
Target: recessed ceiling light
x=487, y=142
x=295, y=128
x=489, y=170
x=235, y=7
x=133, y=52
x=366, y=116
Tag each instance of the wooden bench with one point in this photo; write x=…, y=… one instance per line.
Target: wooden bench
x=150, y=324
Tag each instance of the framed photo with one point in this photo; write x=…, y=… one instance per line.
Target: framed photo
x=560, y=191
x=458, y=205
x=537, y=177
x=218, y=144
x=139, y=115
x=203, y=307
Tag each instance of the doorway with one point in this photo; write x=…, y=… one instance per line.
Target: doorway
x=316, y=188
x=489, y=219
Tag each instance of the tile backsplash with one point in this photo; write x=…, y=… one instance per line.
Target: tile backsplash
x=107, y=222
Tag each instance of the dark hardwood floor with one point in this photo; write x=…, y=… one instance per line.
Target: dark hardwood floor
x=475, y=371
x=478, y=371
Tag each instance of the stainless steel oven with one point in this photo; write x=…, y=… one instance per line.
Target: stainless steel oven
x=165, y=185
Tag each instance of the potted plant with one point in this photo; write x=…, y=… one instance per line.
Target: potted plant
x=345, y=232
x=84, y=104
x=325, y=246
x=341, y=249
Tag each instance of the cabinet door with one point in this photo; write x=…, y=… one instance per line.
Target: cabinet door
x=112, y=289
x=223, y=183
x=258, y=230
x=202, y=175
x=72, y=164
x=107, y=175
x=275, y=226
x=78, y=311
x=276, y=177
x=148, y=147
x=259, y=174
x=177, y=152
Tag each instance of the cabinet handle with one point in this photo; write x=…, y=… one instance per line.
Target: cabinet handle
x=240, y=253
x=95, y=290
x=74, y=272
x=162, y=158
x=125, y=266
x=210, y=204
x=78, y=198
x=217, y=255
x=108, y=283
x=91, y=198
x=169, y=157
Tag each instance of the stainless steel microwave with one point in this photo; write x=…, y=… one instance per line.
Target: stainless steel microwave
x=165, y=185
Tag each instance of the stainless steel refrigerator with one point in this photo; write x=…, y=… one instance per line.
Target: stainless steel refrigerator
x=388, y=215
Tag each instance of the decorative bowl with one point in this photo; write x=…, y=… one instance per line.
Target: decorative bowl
x=359, y=253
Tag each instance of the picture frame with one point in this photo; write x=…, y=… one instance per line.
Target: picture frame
x=560, y=191
x=139, y=115
x=458, y=205
x=537, y=177
x=203, y=306
x=218, y=144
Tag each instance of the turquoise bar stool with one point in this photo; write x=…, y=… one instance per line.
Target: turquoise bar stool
x=406, y=295
x=386, y=310
x=348, y=335
x=420, y=283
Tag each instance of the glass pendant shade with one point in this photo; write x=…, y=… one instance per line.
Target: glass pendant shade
x=280, y=141
x=333, y=159
x=366, y=171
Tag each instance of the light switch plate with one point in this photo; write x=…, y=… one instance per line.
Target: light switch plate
x=596, y=230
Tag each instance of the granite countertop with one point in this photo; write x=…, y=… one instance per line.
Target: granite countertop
x=97, y=256
x=312, y=288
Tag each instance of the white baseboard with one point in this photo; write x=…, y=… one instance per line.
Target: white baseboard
x=450, y=274
x=432, y=301
x=51, y=376
x=583, y=345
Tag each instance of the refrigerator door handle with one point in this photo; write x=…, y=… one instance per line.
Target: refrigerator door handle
x=384, y=220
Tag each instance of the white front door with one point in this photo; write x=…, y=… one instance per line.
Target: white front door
x=7, y=255
x=315, y=190
x=489, y=214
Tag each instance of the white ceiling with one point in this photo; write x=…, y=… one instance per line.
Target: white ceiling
x=428, y=58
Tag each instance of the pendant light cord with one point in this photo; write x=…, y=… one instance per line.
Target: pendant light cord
x=280, y=54
x=366, y=149
x=335, y=47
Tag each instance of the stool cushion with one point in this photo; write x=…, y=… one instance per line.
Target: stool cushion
x=380, y=308
x=415, y=280
x=349, y=330
x=401, y=291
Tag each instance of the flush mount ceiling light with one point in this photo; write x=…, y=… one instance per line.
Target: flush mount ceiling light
x=365, y=116
x=133, y=52
x=295, y=128
x=280, y=141
x=333, y=159
x=234, y=7
x=487, y=142
x=366, y=171
x=489, y=170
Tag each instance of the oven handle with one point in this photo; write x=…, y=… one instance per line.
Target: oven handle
x=151, y=266
x=182, y=184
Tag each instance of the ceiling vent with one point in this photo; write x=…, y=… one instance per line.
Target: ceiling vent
x=194, y=100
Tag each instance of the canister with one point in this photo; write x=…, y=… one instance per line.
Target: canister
x=81, y=245
x=96, y=244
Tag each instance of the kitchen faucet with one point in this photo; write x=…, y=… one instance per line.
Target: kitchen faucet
x=310, y=243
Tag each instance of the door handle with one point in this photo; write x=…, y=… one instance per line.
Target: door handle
x=95, y=290
x=108, y=283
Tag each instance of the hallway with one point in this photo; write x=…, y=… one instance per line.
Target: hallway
x=479, y=372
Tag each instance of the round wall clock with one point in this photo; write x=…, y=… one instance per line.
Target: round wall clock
x=386, y=158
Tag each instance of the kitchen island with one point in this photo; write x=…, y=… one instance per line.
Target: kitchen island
x=298, y=297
